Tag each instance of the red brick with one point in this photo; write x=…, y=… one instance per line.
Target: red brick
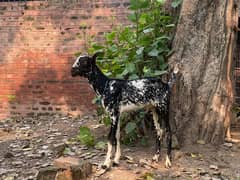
x=64, y=162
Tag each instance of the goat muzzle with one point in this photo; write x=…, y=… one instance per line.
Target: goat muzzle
x=75, y=72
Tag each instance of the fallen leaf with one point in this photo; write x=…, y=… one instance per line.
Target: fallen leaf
x=202, y=142
x=128, y=158
x=214, y=167
x=100, y=172
x=193, y=155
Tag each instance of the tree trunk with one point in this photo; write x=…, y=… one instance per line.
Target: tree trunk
x=203, y=44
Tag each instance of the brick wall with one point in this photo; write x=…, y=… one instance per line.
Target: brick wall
x=38, y=40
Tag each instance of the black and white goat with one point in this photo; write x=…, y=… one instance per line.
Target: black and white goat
x=125, y=95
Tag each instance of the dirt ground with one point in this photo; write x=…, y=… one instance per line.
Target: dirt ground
x=28, y=144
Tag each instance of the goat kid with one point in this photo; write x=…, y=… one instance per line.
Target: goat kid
x=125, y=95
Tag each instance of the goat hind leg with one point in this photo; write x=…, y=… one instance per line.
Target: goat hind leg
x=111, y=141
x=159, y=130
x=168, y=140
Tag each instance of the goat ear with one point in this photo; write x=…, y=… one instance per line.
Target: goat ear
x=94, y=57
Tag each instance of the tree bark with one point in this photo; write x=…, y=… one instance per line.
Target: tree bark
x=203, y=95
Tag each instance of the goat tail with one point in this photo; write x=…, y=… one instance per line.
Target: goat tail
x=173, y=76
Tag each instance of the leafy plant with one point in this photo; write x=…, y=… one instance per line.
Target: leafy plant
x=141, y=48
x=85, y=136
x=133, y=51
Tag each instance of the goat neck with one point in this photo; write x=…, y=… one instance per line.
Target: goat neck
x=97, y=79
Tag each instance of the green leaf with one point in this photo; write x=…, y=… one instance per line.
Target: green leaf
x=130, y=67
x=165, y=18
x=176, y=3
x=159, y=73
x=66, y=151
x=108, y=73
x=125, y=72
x=140, y=51
x=106, y=120
x=85, y=136
x=130, y=127
x=164, y=37
x=119, y=76
x=170, y=53
x=133, y=76
x=113, y=48
x=148, y=30
x=163, y=66
x=100, y=145
x=138, y=4
x=146, y=69
x=170, y=25
x=161, y=1
x=110, y=36
x=142, y=19
x=132, y=17
x=97, y=47
x=153, y=53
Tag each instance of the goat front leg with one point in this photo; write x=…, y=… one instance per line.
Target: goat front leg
x=111, y=139
x=118, y=149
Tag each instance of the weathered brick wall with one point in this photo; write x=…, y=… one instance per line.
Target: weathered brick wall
x=38, y=40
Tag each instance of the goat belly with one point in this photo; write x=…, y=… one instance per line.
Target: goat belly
x=130, y=107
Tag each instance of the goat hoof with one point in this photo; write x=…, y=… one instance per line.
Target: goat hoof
x=156, y=157
x=168, y=163
x=115, y=164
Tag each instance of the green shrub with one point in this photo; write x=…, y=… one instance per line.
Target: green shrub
x=133, y=51
x=141, y=48
x=85, y=136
